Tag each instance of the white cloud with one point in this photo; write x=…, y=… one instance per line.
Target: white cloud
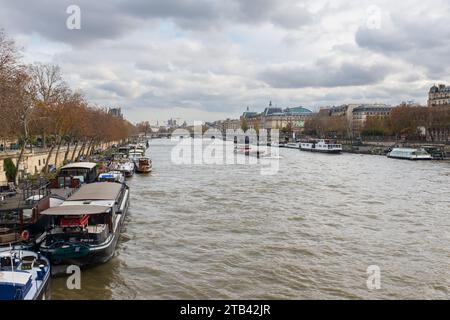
x=210, y=59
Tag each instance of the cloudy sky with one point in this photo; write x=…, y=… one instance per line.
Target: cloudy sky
x=210, y=59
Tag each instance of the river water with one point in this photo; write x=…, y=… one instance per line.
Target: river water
x=308, y=232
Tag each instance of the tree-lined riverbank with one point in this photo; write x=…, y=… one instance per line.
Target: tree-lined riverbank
x=38, y=109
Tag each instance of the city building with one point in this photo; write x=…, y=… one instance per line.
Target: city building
x=345, y=110
x=281, y=118
x=116, y=112
x=172, y=123
x=228, y=124
x=362, y=112
x=277, y=118
x=253, y=119
x=439, y=96
x=356, y=114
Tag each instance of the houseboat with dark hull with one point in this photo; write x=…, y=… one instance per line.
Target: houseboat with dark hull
x=85, y=228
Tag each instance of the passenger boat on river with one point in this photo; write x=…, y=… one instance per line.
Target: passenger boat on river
x=24, y=275
x=409, y=154
x=321, y=145
x=85, y=228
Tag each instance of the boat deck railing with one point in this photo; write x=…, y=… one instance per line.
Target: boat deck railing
x=26, y=195
x=39, y=189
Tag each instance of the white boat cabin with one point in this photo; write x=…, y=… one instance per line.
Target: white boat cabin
x=322, y=145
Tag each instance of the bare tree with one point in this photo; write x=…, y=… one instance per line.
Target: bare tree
x=48, y=81
x=51, y=92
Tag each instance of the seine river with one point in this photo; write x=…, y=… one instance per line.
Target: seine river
x=308, y=232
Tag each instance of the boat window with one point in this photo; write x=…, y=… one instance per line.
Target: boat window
x=5, y=261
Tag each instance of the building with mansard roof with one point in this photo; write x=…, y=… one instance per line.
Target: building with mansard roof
x=439, y=96
x=277, y=118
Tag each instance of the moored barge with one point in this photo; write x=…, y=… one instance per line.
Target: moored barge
x=85, y=228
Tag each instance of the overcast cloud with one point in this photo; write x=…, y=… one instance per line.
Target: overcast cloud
x=210, y=59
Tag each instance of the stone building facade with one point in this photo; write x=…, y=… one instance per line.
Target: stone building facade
x=356, y=114
x=228, y=124
x=439, y=96
x=277, y=118
x=362, y=112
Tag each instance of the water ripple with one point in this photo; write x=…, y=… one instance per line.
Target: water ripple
x=309, y=232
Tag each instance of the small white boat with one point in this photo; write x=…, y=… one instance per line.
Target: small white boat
x=409, y=154
x=24, y=275
x=322, y=145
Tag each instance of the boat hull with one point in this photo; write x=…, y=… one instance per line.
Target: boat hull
x=143, y=170
x=90, y=258
x=128, y=173
x=45, y=290
x=410, y=159
x=291, y=146
x=322, y=151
